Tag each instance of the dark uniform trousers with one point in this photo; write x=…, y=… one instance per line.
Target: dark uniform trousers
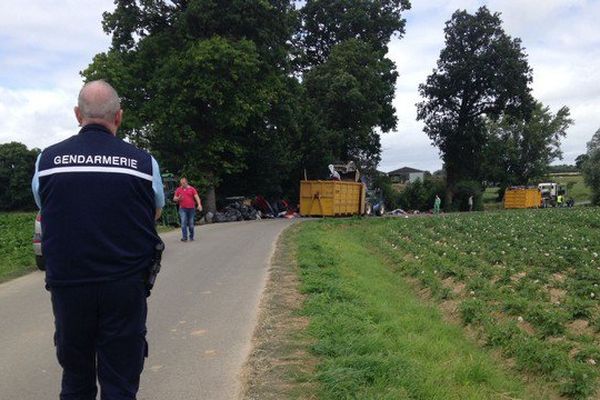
x=101, y=331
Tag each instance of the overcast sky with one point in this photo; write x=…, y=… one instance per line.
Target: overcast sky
x=45, y=43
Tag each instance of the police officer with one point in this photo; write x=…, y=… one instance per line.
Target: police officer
x=99, y=197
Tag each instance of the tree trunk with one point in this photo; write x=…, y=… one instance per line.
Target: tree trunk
x=211, y=199
x=449, y=197
x=450, y=187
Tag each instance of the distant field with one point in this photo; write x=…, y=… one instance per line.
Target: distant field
x=16, y=252
x=575, y=185
x=490, y=199
x=573, y=181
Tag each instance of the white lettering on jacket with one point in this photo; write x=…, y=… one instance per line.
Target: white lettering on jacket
x=113, y=161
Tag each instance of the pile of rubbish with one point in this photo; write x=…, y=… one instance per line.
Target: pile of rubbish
x=243, y=209
x=235, y=212
x=397, y=211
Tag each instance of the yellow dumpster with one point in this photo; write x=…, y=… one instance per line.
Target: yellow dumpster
x=331, y=198
x=522, y=198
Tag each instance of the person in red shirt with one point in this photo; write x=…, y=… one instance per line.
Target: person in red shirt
x=186, y=196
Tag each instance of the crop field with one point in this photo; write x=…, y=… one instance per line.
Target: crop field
x=523, y=284
x=16, y=253
x=527, y=282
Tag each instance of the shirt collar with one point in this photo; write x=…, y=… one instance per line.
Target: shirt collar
x=95, y=127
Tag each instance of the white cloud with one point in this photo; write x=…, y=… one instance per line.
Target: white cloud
x=44, y=44
x=37, y=118
x=60, y=26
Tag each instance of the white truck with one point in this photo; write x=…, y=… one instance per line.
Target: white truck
x=550, y=192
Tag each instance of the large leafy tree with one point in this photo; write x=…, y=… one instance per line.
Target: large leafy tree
x=519, y=152
x=348, y=82
x=200, y=80
x=350, y=99
x=16, y=170
x=482, y=73
x=594, y=143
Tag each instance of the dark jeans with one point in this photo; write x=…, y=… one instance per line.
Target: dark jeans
x=187, y=222
x=101, y=333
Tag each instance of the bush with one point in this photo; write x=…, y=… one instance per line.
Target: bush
x=390, y=195
x=550, y=322
x=462, y=192
x=421, y=195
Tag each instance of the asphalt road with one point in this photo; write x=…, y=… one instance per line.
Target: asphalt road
x=201, y=318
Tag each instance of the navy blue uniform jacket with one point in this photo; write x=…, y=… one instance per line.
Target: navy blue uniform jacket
x=98, y=196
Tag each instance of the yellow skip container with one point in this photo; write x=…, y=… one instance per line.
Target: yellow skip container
x=522, y=198
x=331, y=198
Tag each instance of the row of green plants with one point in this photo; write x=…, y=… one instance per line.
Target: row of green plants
x=526, y=281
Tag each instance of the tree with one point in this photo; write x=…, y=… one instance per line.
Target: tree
x=349, y=98
x=273, y=154
x=348, y=82
x=16, y=171
x=519, y=152
x=482, y=73
x=200, y=80
x=591, y=167
x=580, y=160
x=326, y=23
x=594, y=143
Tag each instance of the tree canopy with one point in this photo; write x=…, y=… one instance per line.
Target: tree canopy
x=349, y=99
x=348, y=81
x=481, y=74
x=198, y=79
x=326, y=23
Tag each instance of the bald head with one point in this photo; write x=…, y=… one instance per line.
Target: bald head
x=99, y=103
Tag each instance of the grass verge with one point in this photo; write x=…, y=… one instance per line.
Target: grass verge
x=280, y=365
x=165, y=228
x=16, y=251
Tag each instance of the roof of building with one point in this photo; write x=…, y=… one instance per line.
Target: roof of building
x=404, y=170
